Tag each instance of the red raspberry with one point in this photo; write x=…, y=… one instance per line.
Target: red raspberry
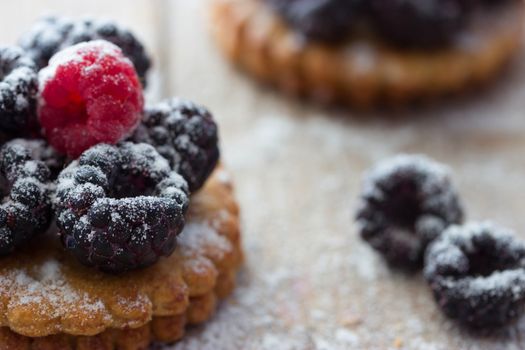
x=90, y=93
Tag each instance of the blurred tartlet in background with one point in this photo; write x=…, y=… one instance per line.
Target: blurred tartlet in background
x=369, y=53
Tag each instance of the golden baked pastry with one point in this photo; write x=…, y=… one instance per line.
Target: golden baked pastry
x=363, y=71
x=48, y=300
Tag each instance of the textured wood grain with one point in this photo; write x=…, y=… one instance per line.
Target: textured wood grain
x=309, y=281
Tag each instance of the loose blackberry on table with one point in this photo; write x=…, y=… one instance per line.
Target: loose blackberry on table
x=407, y=201
x=25, y=185
x=18, y=91
x=185, y=134
x=477, y=274
x=120, y=208
x=52, y=34
x=89, y=94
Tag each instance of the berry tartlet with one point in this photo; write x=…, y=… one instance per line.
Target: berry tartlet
x=118, y=224
x=367, y=53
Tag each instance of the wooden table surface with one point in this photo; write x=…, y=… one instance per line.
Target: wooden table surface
x=309, y=281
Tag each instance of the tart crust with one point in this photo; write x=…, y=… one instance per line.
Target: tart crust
x=49, y=301
x=364, y=71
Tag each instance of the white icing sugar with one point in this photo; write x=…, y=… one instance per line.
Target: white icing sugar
x=137, y=303
x=66, y=181
x=223, y=176
x=75, y=54
x=31, y=166
x=160, y=164
x=499, y=282
x=419, y=162
x=199, y=265
x=364, y=57
x=197, y=236
x=458, y=242
x=142, y=150
x=46, y=283
x=11, y=82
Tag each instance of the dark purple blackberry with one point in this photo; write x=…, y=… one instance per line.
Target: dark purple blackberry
x=26, y=205
x=18, y=90
x=407, y=201
x=477, y=274
x=186, y=135
x=419, y=23
x=324, y=20
x=52, y=34
x=120, y=208
x=41, y=150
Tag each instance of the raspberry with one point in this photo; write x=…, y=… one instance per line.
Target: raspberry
x=52, y=34
x=26, y=206
x=421, y=23
x=325, y=20
x=407, y=201
x=41, y=150
x=186, y=135
x=120, y=208
x=89, y=94
x=18, y=90
x=477, y=274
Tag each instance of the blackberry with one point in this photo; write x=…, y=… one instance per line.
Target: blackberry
x=406, y=202
x=26, y=205
x=419, y=23
x=120, y=208
x=41, y=150
x=52, y=34
x=324, y=20
x=18, y=90
x=477, y=274
x=185, y=134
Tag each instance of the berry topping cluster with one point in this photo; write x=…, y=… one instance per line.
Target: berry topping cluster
x=407, y=23
x=411, y=213
x=77, y=145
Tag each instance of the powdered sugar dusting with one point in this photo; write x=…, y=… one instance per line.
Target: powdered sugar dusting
x=451, y=254
x=75, y=54
x=198, y=237
x=47, y=291
x=139, y=302
x=224, y=176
